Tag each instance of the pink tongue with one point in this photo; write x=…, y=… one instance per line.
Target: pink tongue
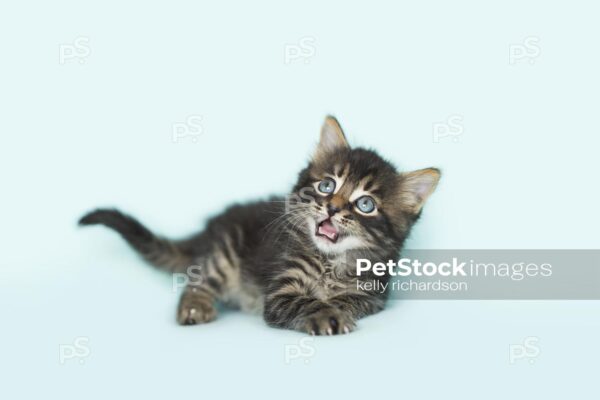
x=327, y=229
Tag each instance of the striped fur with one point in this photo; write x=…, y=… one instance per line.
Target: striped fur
x=271, y=256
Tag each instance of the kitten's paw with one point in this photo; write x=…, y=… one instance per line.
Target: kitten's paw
x=192, y=312
x=329, y=321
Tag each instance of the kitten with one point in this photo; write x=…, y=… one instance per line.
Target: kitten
x=294, y=259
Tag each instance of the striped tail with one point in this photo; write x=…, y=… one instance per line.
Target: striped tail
x=160, y=252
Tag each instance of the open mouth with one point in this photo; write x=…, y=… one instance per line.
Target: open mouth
x=326, y=230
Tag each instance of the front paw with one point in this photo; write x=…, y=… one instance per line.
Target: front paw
x=329, y=321
x=192, y=311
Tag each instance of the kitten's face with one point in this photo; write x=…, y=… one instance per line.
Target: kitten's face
x=352, y=199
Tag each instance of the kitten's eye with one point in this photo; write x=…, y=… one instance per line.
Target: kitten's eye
x=365, y=204
x=327, y=185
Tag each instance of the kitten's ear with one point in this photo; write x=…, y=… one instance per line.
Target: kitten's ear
x=332, y=138
x=416, y=187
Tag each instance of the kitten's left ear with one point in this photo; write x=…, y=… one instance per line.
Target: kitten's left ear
x=416, y=187
x=332, y=138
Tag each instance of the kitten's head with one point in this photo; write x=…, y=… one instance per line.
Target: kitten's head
x=352, y=199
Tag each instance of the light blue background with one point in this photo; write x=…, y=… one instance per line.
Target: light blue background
x=74, y=136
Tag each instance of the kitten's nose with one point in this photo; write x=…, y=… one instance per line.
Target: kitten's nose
x=331, y=209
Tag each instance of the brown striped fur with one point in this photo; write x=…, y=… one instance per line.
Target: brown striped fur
x=272, y=256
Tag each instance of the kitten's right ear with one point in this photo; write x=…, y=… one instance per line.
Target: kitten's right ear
x=416, y=187
x=332, y=139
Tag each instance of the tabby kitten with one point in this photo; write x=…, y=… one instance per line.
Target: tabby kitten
x=294, y=258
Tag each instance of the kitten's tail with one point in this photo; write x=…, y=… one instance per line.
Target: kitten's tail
x=160, y=252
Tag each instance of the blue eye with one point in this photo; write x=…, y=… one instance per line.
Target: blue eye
x=365, y=204
x=327, y=186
